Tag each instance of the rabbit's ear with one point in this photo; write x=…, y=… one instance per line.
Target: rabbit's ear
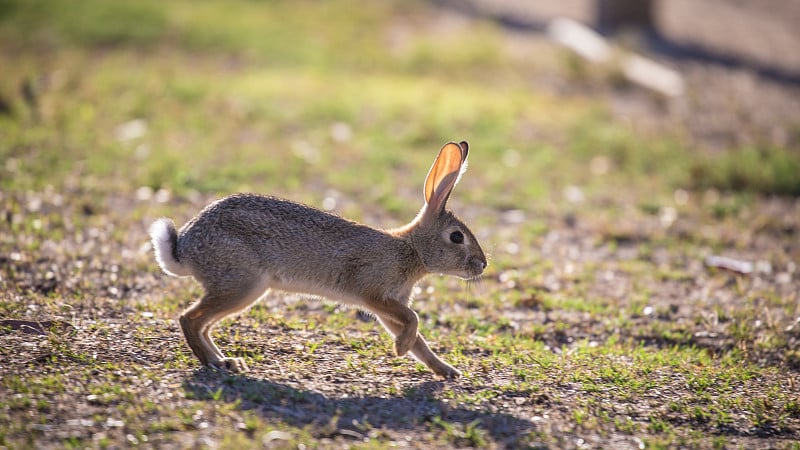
x=444, y=174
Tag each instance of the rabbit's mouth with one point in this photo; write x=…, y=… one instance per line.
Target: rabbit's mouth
x=474, y=270
x=473, y=279
x=466, y=275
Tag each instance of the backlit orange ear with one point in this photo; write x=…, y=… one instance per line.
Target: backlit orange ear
x=444, y=174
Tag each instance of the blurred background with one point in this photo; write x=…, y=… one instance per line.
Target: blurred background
x=215, y=97
x=634, y=178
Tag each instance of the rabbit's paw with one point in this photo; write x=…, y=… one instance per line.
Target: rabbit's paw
x=232, y=365
x=446, y=371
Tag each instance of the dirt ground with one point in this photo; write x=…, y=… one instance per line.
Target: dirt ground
x=333, y=376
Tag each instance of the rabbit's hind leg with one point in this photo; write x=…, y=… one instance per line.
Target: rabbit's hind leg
x=195, y=323
x=200, y=318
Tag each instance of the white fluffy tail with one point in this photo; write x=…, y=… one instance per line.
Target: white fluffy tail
x=165, y=241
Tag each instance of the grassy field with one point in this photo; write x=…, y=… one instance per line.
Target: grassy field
x=598, y=323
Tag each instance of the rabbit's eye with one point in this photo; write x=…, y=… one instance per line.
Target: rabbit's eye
x=457, y=237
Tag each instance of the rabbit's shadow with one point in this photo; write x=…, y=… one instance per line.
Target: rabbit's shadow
x=417, y=407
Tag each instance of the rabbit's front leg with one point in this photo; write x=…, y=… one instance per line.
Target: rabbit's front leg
x=400, y=320
x=422, y=352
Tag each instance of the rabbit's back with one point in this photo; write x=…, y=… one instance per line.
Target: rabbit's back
x=244, y=237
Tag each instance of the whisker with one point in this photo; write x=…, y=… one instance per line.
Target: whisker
x=469, y=284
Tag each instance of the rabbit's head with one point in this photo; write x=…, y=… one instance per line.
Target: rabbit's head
x=444, y=243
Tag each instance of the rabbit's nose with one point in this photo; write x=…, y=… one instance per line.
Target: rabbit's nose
x=477, y=263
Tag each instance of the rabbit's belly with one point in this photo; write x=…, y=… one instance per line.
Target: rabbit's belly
x=315, y=290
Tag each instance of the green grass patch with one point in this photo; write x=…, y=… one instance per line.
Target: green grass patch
x=766, y=170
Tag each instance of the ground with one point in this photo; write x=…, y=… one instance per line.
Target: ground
x=605, y=318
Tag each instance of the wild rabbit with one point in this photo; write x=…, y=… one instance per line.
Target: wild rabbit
x=242, y=245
